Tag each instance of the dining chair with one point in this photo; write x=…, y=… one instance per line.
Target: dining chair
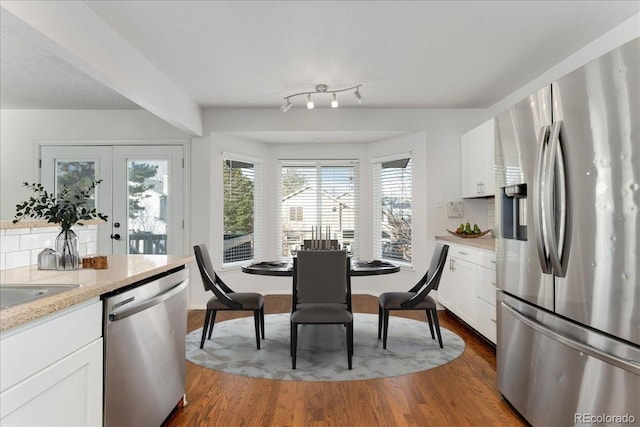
x=321, y=294
x=417, y=298
x=225, y=298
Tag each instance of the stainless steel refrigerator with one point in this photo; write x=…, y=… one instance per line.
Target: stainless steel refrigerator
x=568, y=253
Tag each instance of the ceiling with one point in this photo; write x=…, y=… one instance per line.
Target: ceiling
x=252, y=54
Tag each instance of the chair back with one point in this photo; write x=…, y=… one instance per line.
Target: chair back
x=436, y=266
x=431, y=280
x=210, y=279
x=322, y=276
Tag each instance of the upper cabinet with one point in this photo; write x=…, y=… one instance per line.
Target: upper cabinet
x=477, y=161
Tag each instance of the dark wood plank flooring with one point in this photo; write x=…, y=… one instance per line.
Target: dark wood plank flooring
x=460, y=393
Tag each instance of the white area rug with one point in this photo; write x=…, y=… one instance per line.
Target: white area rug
x=322, y=351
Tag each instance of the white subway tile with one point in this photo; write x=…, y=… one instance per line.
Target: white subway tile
x=17, y=231
x=2, y=262
x=35, y=241
x=17, y=259
x=90, y=248
x=9, y=244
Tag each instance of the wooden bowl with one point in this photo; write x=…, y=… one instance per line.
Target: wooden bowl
x=468, y=236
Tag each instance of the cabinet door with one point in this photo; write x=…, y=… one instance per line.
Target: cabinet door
x=488, y=159
x=447, y=289
x=464, y=274
x=477, y=161
x=69, y=392
x=471, y=155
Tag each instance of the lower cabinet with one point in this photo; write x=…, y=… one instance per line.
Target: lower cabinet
x=467, y=288
x=52, y=372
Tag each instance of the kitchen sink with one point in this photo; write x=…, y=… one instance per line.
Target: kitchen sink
x=12, y=295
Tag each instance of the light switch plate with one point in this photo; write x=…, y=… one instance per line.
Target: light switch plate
x=454, y=210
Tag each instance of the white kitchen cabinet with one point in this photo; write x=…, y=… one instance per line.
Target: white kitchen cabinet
x=468, y=288
x=51, y=370
x=457, y=285
x=477, y=163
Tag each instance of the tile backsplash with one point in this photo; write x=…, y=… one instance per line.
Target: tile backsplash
x=19, y=247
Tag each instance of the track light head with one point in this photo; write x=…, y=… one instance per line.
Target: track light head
x=287, y=106
x=334, y=100
x=357, y=95
x=309, y=102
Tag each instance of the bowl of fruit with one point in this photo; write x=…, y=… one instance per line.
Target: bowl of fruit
x=467, y=231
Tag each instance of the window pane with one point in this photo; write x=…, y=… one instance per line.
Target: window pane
x=317, y=197
x=239, y=210
x=148, y=183
x=395, y=202
x=77, y=175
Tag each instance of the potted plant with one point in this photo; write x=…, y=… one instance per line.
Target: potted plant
x=68, y=208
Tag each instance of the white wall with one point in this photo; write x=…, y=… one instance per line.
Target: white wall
x=20, y=129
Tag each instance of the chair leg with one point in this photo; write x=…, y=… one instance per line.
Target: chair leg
x=211, y=322
x=350, y=344
x=262, y=321
x=385, y=328
x=379, y=321
x=207, y=317
x=256, y=321
x=434, y=314
x=433, y=337
x=294, y=344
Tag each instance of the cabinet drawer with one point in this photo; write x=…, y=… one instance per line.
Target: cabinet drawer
x=486, y=259
x=486, y=285
x=463, y=253
x=486, y=321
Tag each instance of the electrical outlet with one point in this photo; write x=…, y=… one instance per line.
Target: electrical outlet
x=454, y=210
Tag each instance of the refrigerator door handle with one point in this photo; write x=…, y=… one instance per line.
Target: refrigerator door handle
x=557, y=181
x=628, y=365
x=538, y=211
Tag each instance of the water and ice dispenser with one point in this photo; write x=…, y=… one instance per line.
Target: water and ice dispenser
x=513, y=217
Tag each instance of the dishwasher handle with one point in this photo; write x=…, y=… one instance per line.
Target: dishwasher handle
x=119, y=315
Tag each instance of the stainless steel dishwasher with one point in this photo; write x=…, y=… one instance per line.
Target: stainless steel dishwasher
x=144, y=340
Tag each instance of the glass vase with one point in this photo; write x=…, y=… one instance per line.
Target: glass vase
x=67, y=248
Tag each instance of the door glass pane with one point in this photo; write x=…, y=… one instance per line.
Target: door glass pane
x=148, y=185
x=77, y=175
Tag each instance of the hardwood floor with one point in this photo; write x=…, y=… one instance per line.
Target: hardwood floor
x=460, y=393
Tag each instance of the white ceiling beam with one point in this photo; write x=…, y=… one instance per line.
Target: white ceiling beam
x=72, y=31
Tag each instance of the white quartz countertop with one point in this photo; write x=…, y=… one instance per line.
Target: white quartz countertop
x=123, y=270
x=484, y=242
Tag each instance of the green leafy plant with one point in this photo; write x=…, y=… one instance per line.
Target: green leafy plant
x=67, y=209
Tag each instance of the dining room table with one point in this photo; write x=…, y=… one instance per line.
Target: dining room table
x=285, y=268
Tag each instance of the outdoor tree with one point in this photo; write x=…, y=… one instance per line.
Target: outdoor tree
x=292, y=181
x=398, y=226
x=77, y=176
x=138, y=173
x=238, y=200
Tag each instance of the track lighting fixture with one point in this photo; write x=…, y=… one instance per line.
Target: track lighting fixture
x=321, y=89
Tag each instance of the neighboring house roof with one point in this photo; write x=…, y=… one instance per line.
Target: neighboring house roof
x=324, y=193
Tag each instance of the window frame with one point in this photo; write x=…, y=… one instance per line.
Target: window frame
x=257, y=208
x=318, y=164
x=377, y=212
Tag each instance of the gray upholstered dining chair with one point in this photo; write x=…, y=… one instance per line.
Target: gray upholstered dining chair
x=224, y=298
x=321, y=294
x=416, y=298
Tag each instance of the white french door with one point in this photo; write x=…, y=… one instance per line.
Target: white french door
x=142, y=192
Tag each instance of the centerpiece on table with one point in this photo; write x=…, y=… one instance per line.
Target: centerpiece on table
x=68, y=208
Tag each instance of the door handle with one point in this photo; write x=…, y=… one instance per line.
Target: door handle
x=538, y=210
x=116, y=236
x=557, y=181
